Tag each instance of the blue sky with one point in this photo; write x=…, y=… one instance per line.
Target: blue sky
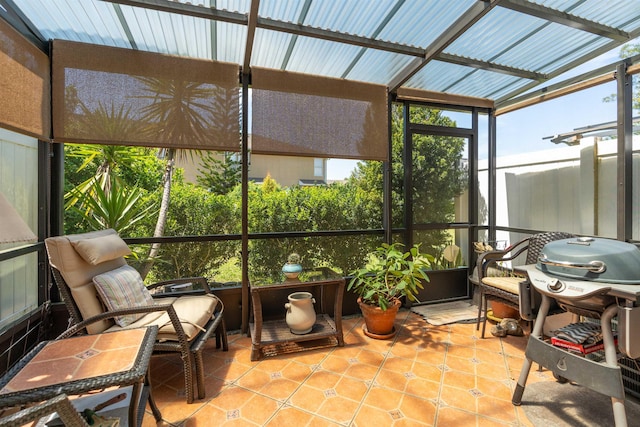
x=524, y=130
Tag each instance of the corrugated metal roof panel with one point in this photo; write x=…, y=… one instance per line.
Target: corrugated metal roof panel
x=613, y=13
x=366, y=36
x=378, y=67
x=325, y=58
x=283, y=10
x=349, y=16
x=419, y=23
x=440, y=76
x=270, y=48
x=231, y=41
x=76, y=20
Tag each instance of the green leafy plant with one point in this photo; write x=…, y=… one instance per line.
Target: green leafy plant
x=119, y=208
x=389, y=274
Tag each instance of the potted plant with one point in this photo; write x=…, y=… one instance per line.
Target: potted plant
x=389, y=275
x=292, y=268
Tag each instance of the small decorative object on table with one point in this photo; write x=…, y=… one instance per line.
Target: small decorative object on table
x=292, y=268
x=300, y=313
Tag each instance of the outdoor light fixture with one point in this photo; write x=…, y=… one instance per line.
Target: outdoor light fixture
x=608, y=129
x=569, y=140
x=13, y=229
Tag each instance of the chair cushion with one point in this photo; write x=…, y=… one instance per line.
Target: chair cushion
x=101, y=249
x=123, y=288
x=508, y=284
x=78, y=274
x=194, y=311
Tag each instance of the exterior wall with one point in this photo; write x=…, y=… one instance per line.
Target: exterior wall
x=286, y=170
x=569, y=189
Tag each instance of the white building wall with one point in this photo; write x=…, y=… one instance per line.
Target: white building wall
x=562, y=189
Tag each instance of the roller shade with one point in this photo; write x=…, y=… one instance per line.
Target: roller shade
x=109, y=95
x=304, y=115
x=25, y=94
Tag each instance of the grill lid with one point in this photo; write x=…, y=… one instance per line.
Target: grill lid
x=592, y=258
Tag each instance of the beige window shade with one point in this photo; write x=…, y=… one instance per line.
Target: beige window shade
x=109, y=95
x=303, y=115
x=24, y=85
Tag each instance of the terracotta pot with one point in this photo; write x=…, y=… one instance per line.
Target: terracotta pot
x=379, y=323
x=503, y=311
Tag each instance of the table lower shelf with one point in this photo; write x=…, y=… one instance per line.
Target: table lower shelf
x=276, y=337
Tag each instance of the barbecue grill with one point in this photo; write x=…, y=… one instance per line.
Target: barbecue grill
x=596, y=278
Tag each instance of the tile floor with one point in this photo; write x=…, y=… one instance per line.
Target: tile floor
x=426, y=376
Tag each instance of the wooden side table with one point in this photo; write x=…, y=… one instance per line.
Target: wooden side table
x=81, y=364
x=276, y=332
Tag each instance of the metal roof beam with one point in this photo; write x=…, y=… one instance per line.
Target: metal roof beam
x=470, y=17
x=269, y=24
x=489, y=66
x=381, y=26
x=125, y=25
x=319, y=33
x=186, y=9
x=564, y=18
x=294, y=38
x=251, y=32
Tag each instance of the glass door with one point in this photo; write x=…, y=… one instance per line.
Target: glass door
x=437, y=207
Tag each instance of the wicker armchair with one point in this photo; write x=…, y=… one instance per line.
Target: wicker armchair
x=509, y=288
x=185, y=322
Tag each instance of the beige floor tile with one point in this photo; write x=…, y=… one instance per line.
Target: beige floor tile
x=424, y=376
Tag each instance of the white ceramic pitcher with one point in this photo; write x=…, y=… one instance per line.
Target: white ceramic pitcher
x=300, y=313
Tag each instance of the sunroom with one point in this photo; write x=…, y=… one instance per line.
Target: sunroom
x=217, y=138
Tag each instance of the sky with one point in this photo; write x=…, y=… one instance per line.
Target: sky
x=525, y=130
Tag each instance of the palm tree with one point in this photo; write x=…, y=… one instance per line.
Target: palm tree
x=104, y=124
x=119, y=208
x=180, y=113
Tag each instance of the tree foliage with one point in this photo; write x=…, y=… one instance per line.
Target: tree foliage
x=357, y=204
x=119, y=208
x=104, y=186
x=194, y=211
x=439, y=175
x=219, y=175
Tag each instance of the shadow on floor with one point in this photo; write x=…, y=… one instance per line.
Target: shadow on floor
x=562, y=405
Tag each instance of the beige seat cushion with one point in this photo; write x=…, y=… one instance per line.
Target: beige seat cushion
x=194, y=311
x=508, y=284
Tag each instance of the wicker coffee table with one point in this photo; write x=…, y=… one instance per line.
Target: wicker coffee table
x=274, y=334
x=81, y=364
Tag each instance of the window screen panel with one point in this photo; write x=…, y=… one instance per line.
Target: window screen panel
x=120, y=96
x=304, y=115
x=24, y=85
